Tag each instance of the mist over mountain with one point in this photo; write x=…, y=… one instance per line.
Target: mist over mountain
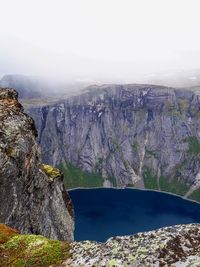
x=31, y=87
x=34, y=87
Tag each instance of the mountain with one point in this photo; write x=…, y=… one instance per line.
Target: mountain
x=32, y=196
x=146, y=136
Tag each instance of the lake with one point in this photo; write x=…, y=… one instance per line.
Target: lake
x=103, y=213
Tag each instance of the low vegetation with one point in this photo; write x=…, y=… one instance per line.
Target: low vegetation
x=163, y=184
x=18, y=250
x=150, y=180
x=173, y=186
x=195, y=195
x=75, y=177
x=194, y=145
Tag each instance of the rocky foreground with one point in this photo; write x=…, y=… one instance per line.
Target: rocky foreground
x=175, y=246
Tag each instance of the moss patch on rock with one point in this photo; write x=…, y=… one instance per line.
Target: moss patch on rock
x=31, y=250
x=50, y=171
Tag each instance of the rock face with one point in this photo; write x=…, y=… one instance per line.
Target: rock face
x=132, y=135
x=32, y=196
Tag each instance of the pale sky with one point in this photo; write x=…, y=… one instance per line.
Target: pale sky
x=97, y=39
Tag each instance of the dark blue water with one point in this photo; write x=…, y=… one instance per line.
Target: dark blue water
x=102, y=213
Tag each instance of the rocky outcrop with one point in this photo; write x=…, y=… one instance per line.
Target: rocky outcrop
x=176, y=246
x=32, y=197
x=171, y=246
x=131, y=135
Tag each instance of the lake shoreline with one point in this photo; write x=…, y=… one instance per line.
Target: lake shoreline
x=133, y=188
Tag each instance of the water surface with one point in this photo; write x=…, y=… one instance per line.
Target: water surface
x=103, y=213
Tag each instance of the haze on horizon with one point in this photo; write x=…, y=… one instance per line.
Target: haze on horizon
x=99, y=40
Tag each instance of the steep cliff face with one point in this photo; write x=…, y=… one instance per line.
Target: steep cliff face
x=131, y=135
x=32, y=197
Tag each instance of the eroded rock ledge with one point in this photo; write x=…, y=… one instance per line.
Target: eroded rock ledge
x=32, y=196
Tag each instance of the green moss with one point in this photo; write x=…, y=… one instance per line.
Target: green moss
x=150, y=180
x=75, y=177
x=33, y=251
x=50, y=171
x=195, y=195
x=194, y=145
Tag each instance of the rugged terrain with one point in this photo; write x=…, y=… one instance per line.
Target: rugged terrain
x=33, y=200
x=177, y=246
x=32, y=196
x=124, y=135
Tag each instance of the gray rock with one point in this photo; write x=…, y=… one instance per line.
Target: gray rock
x=175, y=246
x=31, y=199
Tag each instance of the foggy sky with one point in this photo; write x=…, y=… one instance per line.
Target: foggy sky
x=98, y=39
